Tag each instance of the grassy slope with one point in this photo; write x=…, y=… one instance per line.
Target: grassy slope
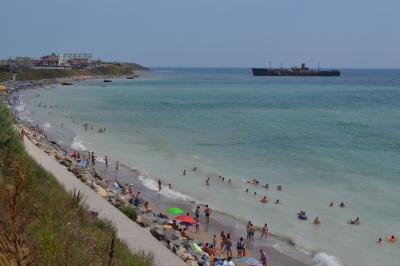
x=5, y=75
x=110, y=69
x=55, y=230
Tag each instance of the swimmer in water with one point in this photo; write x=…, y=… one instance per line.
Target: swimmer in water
x=169, y=186
x=264, y=200
x=255, y=193
x=331, y=204
x=355, y=222
x=230, y=180
x=316, y=221
x=379, y=241
x=223, y=179
x=277, y=201
x=342, y=205
x=279, y=188
x=266, y=186
x=247, y=190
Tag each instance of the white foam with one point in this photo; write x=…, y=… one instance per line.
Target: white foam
x=20, y=108
x=77, y=145
x=323, y=259
x=170, y=193
x=46, y=125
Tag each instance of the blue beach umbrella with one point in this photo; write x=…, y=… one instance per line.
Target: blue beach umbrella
x=248, y=260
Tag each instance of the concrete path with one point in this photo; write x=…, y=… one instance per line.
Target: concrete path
x=135, y=236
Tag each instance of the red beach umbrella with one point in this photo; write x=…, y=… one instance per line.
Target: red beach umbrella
x=186, y=219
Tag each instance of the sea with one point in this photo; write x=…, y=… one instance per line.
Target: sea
x=323, y=139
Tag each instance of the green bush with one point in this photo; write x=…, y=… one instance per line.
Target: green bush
x=129, y=211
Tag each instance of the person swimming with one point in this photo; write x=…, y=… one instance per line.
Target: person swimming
x=316, y=220
x=379, y=241
x=342, y=205
x=354, y=222
x=392, y=239
x=247, y=190
x=279, y=188
x=302, y=215
x=266, y=186
x=253, y=181
x=331, y=204
x=230, y=180
x=255, y=193
x=194, y=168
x=264, y=200
x=277, y=201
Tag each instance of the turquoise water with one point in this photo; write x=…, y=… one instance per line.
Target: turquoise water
x=322, y=139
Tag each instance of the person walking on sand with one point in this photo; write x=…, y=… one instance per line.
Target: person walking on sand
x=207, y=212
x=252, y=230
x=159, y=185
x=197, y=225
x=263, y=258
x=264, y=231
x=228, y=245
x=223, y=239
x=214, y=241
x=240, y=248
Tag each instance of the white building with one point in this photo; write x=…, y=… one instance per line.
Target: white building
x=65, y=57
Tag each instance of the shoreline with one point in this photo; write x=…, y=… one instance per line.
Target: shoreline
x=220, y=221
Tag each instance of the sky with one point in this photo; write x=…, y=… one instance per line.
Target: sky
x=208, y=33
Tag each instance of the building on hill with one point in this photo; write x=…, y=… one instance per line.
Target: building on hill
x=51, y=60
x=77, y=58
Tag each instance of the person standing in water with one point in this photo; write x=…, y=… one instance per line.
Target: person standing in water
x=208, y=182
x=159, y=185
x=184, y=172
x=207, y=212
x=264, y=231
x=106, y=161
x=197, y=213
x=116, y=166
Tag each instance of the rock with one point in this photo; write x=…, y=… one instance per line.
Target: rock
x=139, y=221
x=101, y=191
x=192, y=263
x=158, y=234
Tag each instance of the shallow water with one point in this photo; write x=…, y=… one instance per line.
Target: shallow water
x=322, y=139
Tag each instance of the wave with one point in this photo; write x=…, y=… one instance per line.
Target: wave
x=20, y=108
x=170, y=193
x=77, y=145
x=323, y=259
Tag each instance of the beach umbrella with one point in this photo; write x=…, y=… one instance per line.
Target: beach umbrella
x=248, y=260
x=175, y=210
x=187, y=220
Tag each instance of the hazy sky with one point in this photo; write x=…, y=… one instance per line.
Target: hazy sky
x=335, y=33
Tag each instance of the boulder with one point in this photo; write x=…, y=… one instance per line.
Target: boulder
x=101, y=191
x=158, y=234
x=192, y=263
